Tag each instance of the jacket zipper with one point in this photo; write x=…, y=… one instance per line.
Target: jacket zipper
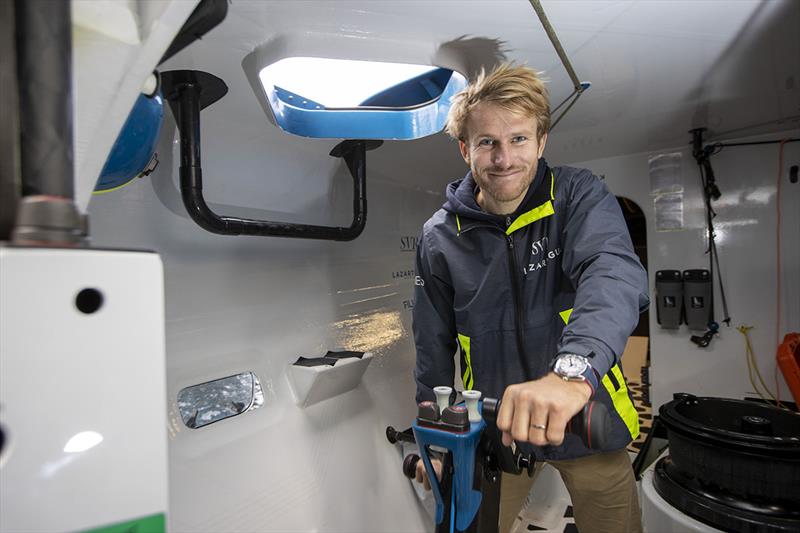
x=520, y=311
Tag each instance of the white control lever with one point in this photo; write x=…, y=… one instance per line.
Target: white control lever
x=471, y=398
x=443, y=397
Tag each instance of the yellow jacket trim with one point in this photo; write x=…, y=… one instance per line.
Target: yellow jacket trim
x=620, y=398
x=529, y=217
x=458, y=223
x=467, y=377
x=537, y=213
x=622, y=401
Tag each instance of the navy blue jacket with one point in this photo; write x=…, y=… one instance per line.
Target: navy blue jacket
x=511, y=292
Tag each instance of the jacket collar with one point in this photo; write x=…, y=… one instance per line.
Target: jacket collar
x=537, y=203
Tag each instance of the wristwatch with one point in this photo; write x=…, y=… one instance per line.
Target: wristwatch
x=571, y=367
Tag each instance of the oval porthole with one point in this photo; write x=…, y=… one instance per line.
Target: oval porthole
x=348, y=99
x=212, y=401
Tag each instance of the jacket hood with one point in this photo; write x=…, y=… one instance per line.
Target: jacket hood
x=461, y=196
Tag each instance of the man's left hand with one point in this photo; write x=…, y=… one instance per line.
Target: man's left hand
x=538, y=411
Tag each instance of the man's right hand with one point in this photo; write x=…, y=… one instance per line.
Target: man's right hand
x=538, y=411
x=422, y=475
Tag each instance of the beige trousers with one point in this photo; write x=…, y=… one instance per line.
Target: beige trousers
x=602, y=488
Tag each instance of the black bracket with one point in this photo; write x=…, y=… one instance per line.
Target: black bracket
x=188, y=92
x=703, y=157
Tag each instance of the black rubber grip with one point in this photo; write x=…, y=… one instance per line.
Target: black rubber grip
x=592, y=424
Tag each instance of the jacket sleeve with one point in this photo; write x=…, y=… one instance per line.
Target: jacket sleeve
x=611, y=284
x=434, y=322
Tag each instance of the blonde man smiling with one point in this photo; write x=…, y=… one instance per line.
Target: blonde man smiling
x=529, y=270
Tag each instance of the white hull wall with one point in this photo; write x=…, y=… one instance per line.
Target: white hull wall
x=81, y=391
x=236, y=304
x=746, y=238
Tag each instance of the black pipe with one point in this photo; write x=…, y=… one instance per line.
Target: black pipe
x=44, y=72
x=10, y=188
x=46, y=214
x=779, y=141
x=186, y=91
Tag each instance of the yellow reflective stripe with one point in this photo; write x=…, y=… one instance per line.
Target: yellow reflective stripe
x=458, y=223
x=622, y=402
x=552, y=183
x=529, y=217
x=467, y=378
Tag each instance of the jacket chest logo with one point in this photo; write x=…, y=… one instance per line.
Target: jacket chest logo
x=541, y=255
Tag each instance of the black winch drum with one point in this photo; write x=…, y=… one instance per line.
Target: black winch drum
x=745, y=448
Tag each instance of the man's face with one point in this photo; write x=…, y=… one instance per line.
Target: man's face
x=502, y=150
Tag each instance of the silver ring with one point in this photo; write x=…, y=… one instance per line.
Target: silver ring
x=539, y=426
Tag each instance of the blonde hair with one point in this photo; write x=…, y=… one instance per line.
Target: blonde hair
x=515, y=88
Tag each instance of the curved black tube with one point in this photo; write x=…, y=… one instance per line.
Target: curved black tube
x=186, y=90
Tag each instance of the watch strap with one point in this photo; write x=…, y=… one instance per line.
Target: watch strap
x=589, y=375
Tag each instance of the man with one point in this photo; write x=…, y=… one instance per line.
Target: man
x=530, y=271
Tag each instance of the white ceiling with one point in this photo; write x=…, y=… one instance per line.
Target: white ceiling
x=657, y=68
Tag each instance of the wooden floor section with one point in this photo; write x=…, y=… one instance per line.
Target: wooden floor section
x=637, y=376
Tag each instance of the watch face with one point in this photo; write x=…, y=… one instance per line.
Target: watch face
x=571, y=365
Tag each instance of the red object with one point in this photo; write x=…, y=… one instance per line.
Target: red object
x=789, y=362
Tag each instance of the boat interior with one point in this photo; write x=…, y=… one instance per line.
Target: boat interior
x=209, y=218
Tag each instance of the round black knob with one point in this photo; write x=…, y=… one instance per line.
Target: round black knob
x=526, y=462
x=410, y=465
x=490, y=408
